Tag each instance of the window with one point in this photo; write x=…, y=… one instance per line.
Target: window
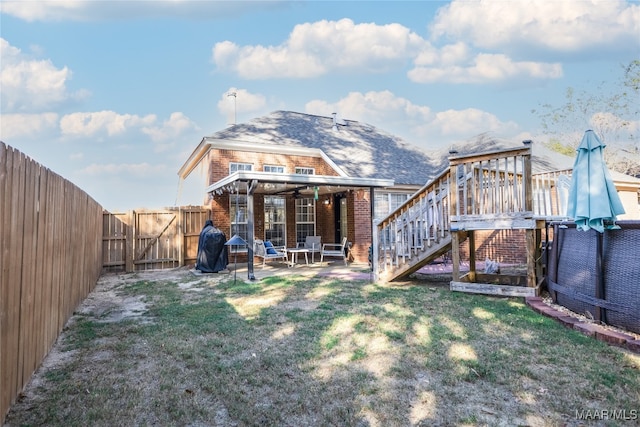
x=385, y=203
x=234, y=167
x=305, y=171
x=305, y=218
x=273, y=169
x=274, y=220
x=238, y=217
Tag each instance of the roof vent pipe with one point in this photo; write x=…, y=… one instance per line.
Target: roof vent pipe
x=527, y=142
x=335, y=122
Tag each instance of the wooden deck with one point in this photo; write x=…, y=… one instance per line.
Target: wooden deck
x=488, y=191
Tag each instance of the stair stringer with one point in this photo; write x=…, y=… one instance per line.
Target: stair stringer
x=415, y=263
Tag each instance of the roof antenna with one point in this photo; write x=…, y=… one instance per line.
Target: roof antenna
x=234, y=105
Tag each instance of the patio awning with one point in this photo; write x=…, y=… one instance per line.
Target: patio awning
x=268, y=183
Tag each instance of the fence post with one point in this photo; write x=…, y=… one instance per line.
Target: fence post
x=128, y=252
x=181, y=245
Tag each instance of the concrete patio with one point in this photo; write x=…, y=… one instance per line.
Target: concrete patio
x=336, y=269
x=333, y=268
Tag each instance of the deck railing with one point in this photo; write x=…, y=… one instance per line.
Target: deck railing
x=551, y=194
x=492, y=184
x=491, y=191
x=411, y=231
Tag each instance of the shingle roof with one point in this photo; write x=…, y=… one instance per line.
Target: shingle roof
x=360, y=149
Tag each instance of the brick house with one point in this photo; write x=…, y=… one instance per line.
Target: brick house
x=289, y=175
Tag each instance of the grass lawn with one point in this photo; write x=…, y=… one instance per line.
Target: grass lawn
x=293, y=351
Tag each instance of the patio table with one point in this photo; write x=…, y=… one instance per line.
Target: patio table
x=294, y=255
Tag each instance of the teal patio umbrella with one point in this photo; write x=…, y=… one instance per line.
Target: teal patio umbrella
x=593, y=199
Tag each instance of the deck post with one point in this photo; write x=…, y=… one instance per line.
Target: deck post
x=531, y=258
x=538, y=257
x=455, y=255
x=472, y=255
x=251, y=187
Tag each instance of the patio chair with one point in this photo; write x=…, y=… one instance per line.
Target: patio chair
x=312, y=244
x=266, y=250
x=335, y=250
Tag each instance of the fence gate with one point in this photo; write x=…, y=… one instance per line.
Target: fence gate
x=152, y=239
x=156, y=240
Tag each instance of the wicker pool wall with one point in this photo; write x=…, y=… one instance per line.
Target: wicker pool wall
x=573, y=272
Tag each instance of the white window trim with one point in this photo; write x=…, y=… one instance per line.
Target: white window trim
x=264, y=168
x=284, y=222
x=232, y=222
x=315, y=215
x=388, y=195
x=299, y=168
x=240, y=164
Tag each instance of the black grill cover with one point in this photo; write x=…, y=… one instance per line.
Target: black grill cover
x=212, y=252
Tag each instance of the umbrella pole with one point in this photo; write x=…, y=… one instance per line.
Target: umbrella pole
x=600, y=314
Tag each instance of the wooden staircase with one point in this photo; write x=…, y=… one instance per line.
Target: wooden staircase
x=483, y=191
x=414, y=234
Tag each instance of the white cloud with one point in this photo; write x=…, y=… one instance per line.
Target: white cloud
x=31, y=85
x=564, y=26
x=372, y=107
x=45, y=11
x=243, y=102
x=102, y=123
x=314, y=49
x=177, y=125
x=467, y=122
x=91, y=10
x=27, y=125
x=417, y=124
x=137, y=169
x=485, y=68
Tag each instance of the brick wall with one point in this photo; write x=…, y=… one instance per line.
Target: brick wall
x=326, y=219
x=360, y=223
x=219, y=161
x=358, y=205
x=503, y=246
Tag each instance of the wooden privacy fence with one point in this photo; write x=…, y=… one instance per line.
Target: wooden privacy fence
x=50, y=235
x=151, y=239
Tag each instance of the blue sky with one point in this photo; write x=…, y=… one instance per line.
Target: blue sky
x=114, y=95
